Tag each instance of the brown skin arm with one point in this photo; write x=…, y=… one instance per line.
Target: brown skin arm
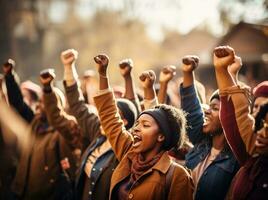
x=102, y=62
x=223, y=57
x=68, y=59
x=189, y=64
x=166, y=74
x=126, y=66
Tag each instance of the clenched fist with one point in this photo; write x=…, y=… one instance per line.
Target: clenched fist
x=68, y=57
x=147, y=79
x=167, y=73
x=47, y=76
x=126, y=66
x=102, y=62
x=190, y=63
x=223, y=56
x=8, y=66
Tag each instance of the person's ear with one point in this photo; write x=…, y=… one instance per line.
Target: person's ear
x=160, y=138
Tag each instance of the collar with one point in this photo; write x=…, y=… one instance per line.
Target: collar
x=162, y=165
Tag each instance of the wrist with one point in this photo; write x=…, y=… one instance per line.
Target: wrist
x=47, y=88
x=103, y=75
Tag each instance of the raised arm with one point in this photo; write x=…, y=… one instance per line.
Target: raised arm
x=14, y=94
x=111, y=121
x=86, y=117
x=126, y=66
x=166, y=74
x=57, y=117
x=189, y=100
x=147, y=80
x=234, y=111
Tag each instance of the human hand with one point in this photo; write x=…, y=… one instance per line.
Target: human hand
x=147, y=79
x=235, y=66
x=8, y=66
x=102, y=62
x=223, y=57
x=190, y=63
x=47, y=76
x=68, y=57
x=167, y=73
x=126, y=66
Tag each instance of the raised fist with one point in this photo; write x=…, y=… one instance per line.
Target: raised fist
x=8, y=66
x=147, y=79
x=223, y=56
x=125, y=66
x=102, y=62
x=68, y=57
x=190, y=63
x=236, y=66
x=167, y=73
x=47, y=76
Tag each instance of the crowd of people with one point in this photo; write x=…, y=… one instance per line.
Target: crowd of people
x=98, y=143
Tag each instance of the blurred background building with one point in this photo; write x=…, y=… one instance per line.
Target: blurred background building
x=152, y=33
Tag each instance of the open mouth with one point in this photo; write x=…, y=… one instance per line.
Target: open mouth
x=137, y=141
x=206, y=121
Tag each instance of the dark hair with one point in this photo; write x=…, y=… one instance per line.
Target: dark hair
x=261, y=116
x=177, y=124
x=128, y=110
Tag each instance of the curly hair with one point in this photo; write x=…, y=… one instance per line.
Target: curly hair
x=177, y=123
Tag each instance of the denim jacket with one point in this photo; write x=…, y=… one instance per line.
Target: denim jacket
x=216, y=179
x=100, y=175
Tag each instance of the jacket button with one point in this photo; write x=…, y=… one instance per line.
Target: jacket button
x=93, y=169
x=90, y=193
x=46, y=168
x=101, y=169
x=93, y=183
x=130, y=196
x=265, y=185
x=51, y=180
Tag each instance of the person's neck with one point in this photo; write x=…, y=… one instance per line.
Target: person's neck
x=218, y=141
x=146, y=156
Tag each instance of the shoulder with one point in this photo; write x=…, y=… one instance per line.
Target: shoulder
x=181, y=170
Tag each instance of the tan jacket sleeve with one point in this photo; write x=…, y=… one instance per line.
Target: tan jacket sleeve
x=113, y=126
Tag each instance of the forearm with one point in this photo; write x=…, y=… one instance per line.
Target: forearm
x=192, y=106
x=15, y=98
x=162, y=93
x=235, y=101
x=224, y=78
x=87, y=120
x=57, y=117
x=70, y=75
x=129, y=87
x=188, y=79
x=231, y=130
x=112, y=124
